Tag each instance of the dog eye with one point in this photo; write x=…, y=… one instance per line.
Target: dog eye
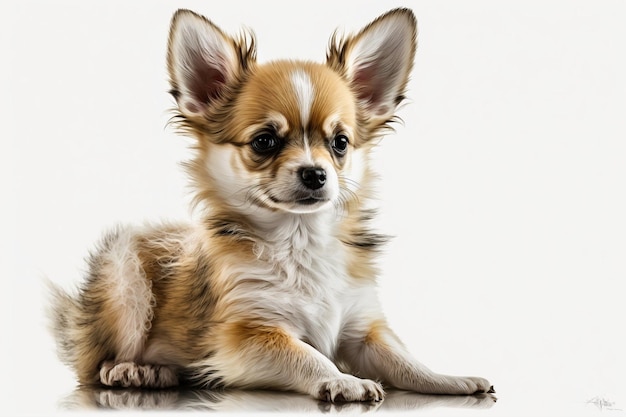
x=265, y=143
x=340, y=144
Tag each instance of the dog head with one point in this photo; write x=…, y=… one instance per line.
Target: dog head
x=285, y=136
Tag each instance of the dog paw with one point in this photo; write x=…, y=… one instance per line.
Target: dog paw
x=129, y=374
x=482, y=386
x=474, y=385
x=349, y=388
x=120, y=375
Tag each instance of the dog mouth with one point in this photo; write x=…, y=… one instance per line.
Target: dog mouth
x=309, y=201
x=305, y=200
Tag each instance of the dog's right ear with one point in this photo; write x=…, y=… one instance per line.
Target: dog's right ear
x=202, y=61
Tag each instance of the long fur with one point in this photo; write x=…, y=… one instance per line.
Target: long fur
x=276, y=286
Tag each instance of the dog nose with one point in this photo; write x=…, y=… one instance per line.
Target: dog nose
x=313, y=177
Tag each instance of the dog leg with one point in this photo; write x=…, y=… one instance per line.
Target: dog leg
x=376, y=352
x=268, y=357
x=130, y=374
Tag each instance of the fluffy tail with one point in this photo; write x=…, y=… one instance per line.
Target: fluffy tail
x=62, y=311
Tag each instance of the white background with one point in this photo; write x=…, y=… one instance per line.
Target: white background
x=505, y=187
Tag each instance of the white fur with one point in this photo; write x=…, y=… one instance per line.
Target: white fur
x=355, y=169
x=302, y=273
x=232, y=179
x=305, y=94
x=131, y=294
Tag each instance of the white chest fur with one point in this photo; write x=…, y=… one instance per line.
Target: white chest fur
x=301, y=267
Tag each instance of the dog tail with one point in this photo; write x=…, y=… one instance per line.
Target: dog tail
x=62, y=311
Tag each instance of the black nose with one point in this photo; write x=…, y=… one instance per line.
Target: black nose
x=313, y=177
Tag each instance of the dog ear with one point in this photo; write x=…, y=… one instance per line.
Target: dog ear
x=202, y=61
x=377, y=61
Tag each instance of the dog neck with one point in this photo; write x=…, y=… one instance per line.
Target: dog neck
x=279, y=231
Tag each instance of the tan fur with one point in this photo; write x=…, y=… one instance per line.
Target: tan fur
x=275, y=286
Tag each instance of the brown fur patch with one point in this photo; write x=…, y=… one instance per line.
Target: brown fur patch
x=380, y=334
x=265, y=337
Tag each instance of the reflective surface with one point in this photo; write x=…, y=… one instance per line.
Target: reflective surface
x=85, y=398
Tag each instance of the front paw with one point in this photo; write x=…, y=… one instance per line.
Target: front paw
x=474, y=385
x=349, y=388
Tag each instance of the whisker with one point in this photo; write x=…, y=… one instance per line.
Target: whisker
x=254, y=193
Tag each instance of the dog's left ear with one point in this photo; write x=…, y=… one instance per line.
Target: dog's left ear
x=377, y=62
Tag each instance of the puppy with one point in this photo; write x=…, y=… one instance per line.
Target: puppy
x=275, y=286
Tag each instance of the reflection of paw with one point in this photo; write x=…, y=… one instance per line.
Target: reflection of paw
x=350, y=408
x=117, y=399
x=350, y=388
x=407, y=400
x=484, y=400
x=477, y=401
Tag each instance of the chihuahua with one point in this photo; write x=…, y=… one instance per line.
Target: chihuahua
x=274, y=286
